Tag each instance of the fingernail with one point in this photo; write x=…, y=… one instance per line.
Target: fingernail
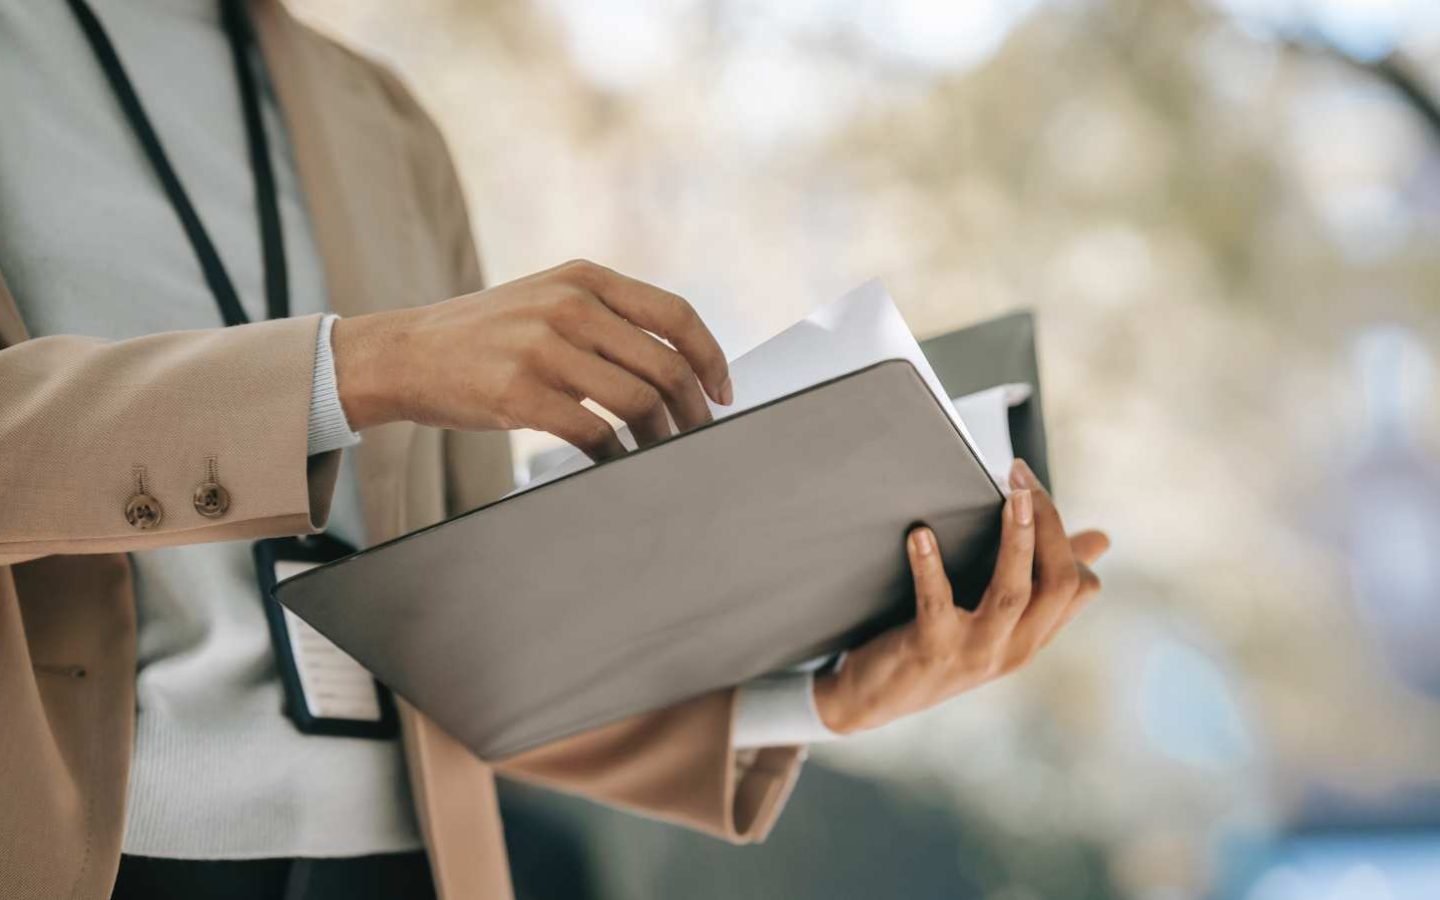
x=727, y=392
x=923, y=541
x=1022, y=477
x=1022, y=506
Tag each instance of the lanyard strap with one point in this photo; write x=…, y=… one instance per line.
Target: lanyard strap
x=237, y=28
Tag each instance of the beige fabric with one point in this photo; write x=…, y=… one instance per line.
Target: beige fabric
x=76, y=417
x=70, y=465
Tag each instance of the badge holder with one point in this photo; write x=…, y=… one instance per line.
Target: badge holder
x=326, y=691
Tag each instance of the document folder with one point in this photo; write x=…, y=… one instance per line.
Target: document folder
x=740, y=548
x=998, y=351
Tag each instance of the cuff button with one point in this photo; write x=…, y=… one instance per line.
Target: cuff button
x=211, y=499
x=143, y=512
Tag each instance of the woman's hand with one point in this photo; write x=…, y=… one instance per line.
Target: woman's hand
x=526, y=353
x=1042, y=580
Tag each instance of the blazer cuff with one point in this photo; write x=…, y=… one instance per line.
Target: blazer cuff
x=677, y=764
x=87, y=426
x=764, y=779
x=758, y=785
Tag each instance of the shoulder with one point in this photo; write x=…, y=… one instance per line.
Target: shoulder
x=387, y=134
x=332, y=59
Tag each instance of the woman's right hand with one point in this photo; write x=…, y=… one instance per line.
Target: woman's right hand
x=526, y=353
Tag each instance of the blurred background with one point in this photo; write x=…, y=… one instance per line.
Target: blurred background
x=1225, y=214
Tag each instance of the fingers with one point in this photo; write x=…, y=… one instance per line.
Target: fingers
x=561, y=415
x=1056, y=573
x=1089, y=546
x=1066, y=583
x=1089, y=587
x=638, y=403
x=625, y=345
x=1057, y=578
x=934, y=602
x=667, y=315
x=1009, y=591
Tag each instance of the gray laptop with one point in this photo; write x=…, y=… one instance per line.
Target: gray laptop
x=760, y=541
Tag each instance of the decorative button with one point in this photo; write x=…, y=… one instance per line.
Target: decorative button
x=211, y=499
x=143, y=512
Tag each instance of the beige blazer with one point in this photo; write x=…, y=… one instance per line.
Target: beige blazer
x=80, y=418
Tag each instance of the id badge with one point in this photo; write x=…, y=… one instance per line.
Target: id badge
x=326, y=691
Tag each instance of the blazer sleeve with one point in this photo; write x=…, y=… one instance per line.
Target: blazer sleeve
x=84, y=421
x=678, y=765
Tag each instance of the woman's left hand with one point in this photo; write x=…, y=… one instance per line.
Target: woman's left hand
x=1042, y=580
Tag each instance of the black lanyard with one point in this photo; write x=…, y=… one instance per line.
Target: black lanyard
x=237, y=27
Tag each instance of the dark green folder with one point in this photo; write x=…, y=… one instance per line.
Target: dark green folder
x=999, y=351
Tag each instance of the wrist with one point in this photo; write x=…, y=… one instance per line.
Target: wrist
x=362, y=351
x=831, y=704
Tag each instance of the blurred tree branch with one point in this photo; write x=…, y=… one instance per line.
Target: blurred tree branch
x=1399, y=74
x=1393, y=69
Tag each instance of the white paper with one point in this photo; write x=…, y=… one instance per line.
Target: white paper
x=858, y=330
x=987, y=413
x=334, y=685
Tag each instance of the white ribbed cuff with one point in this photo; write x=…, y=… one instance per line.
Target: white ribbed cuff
x=329, y=429
x=778, y=711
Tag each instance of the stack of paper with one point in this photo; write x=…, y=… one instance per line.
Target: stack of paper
x=861, y=328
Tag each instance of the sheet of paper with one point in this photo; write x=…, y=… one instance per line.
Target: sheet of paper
x=334, y=684
x=859, y=329
x=987, y=414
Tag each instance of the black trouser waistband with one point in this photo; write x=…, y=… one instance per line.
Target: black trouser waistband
x=387, y=876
